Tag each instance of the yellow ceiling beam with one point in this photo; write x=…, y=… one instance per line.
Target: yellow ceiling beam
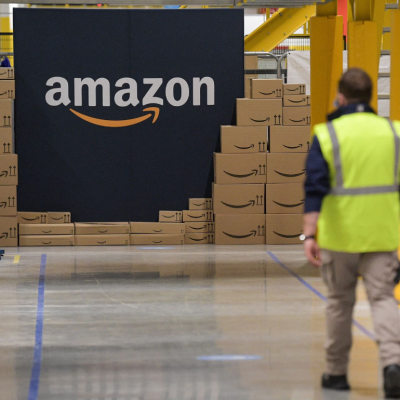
x=277, y=28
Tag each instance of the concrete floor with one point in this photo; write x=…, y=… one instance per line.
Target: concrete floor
x=130, y=323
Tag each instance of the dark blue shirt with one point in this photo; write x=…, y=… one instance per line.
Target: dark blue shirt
x=317, y=184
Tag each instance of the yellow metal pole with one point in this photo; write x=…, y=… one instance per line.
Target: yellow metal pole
x=395, y=67
x=362, y=52
x=387, y=22
x=326, y=61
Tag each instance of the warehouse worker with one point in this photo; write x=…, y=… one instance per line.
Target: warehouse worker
x=352, y=195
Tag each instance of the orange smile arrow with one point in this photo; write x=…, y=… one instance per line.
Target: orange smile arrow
x=119, y=123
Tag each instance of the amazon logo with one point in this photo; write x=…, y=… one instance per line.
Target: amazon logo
x=289, y=205
x=297, y=235
x=259, y=232
x=262, y=170
x=303, y=171
x=157, y=93
x=251, y=203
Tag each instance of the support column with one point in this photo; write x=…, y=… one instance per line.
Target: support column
x=395, y=67
x=362, y=52
x=365, y=39
x=326, y=60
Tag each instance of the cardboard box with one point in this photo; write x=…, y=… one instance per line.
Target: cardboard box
x=8, y=170
x=157, y=239
x=199, y=227
x=6, y=73
x=290, y=139
x=243, y=139
x=199, y=238
x=8, y=232
x=296, y=100
x=198, y=216
x=286, y=168
x=32, y=217
x=157, y=227
x=240, y=168
x=6, y=141
x=250, y=62
x=200, y=204
x=294, y=88
x=247, y=84
x=101, y=228
x=8, y=201
x=102, y=240
x=285, y=198
x=170, y=216
x=297, y=116
x=240, y=229
x=258, y=112
x=239, y=199
x=266, y=88
x=46, y=229
x=46, y=240
x=284, y=228
x=59, y=217
x=6, y=112
x=7, y=89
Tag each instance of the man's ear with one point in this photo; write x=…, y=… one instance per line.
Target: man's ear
x=342, y=100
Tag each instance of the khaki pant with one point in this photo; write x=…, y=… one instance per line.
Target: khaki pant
x=340, y=272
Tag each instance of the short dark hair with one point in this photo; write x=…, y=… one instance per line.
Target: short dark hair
x=356, y=86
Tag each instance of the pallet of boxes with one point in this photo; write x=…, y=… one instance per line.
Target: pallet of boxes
x=288, y=147
x=250, y=183
x=8, y=162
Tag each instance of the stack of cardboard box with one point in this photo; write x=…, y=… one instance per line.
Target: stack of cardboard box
x=156, y=233
x=8, y=162
x=288, y=145
x=102, y=234
x=199, y=222
x=45, y=229
x=241, y=167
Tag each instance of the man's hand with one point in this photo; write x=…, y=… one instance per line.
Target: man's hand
x=311, y=247
x=313, y=254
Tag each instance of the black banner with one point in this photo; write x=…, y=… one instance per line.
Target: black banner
x=117, y=112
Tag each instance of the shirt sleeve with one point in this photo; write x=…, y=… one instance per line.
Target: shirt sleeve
x=317, y=184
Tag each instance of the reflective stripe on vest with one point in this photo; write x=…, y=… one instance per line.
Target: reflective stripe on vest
x=340, y=190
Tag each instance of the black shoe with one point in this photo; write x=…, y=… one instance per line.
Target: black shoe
x=335, y=382
x=391, y=376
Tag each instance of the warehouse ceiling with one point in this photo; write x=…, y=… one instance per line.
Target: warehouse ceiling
x=215, y=3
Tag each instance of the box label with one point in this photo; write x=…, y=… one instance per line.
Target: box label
x=296, y=116
x=240, y=168
x=6, y=73
x=8, y=201
x=286, y=168
x=32, y=218
x=266, y=88
x=199, y=238
x=240, y=229
x=7, y=89
x=239, y=199
x=8, y=231
x=199, y=227
x=284, y=228
x=294, y=88
x=240, y=139
x=170, y=216
x=198, y=216
x=258, y=112
x=200, y=204
x=290, y=139
x=9, y=170
x=296, y=100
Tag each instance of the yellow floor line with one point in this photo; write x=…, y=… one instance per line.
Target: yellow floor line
x=16, y=259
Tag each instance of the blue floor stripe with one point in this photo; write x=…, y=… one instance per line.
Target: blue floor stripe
x=37, y=353
x=315, y=291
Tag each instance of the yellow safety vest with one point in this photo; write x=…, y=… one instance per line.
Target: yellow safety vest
x=361, y=212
